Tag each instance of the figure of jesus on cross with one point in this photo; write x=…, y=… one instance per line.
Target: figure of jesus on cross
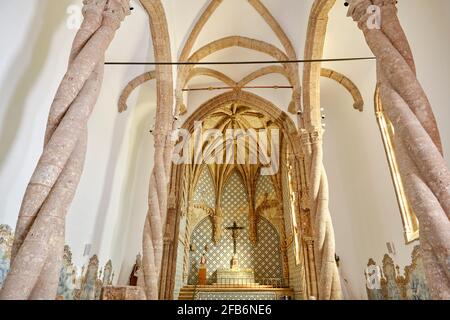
x=235, y=235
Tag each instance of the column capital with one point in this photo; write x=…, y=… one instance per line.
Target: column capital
x=95, y=7
x=115, y=12
x=316, y=135
x=311, y=136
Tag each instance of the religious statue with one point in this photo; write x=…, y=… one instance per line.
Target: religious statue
x=202, y=270
x=203, y=260
x=216, y=219
x=135, y=273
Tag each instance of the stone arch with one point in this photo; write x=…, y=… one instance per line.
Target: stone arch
x=358, y=101
x=263, y=72
x=262, y=105
x=241, y=179
x=228, y=42
x=196, y=72
x=237, y=41
x=315, y=41
x=133, y=84
x=242, y=42
x=292, y=139
x=274, y=69
x=205, y=169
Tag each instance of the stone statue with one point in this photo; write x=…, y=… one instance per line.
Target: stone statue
x=216, y=220
x=136, y=272
x=203, y=260
x=202, y=271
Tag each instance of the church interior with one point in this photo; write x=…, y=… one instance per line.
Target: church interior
x=224, y=150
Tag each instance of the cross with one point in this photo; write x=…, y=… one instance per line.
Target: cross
x=234, y=234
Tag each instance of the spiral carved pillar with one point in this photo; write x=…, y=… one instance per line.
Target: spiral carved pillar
x=328, y=282
x=39, y=241
x=421, y=164
x=155, y=222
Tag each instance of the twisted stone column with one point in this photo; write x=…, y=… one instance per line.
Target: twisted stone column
x=328, y=282
x=39, y=240
x=327, y=277
x=421, y=164
x=155, y=222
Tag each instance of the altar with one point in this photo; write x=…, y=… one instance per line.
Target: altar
x=233, y=282
x=235, y=277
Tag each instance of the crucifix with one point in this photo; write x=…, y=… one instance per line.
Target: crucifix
x=235, y=235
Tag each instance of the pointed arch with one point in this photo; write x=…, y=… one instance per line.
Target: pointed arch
x=204, y=172
x=133, y=84
x=315, y=42
x=349, y=85
x=234, y=41
x=237, y=41
x=263, y=72
x=267, y=108
x=196, y=72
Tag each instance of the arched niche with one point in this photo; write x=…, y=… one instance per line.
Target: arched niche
x=176, y=256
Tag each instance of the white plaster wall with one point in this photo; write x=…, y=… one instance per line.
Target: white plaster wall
x=362, y=200
x=111, y=199
x=111, y=204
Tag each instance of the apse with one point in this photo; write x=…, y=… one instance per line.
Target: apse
x=224, y=150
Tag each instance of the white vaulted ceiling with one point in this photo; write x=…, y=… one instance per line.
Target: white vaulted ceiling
x=237, y=18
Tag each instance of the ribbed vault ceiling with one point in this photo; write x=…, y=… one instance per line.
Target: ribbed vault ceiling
x=278, y=26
